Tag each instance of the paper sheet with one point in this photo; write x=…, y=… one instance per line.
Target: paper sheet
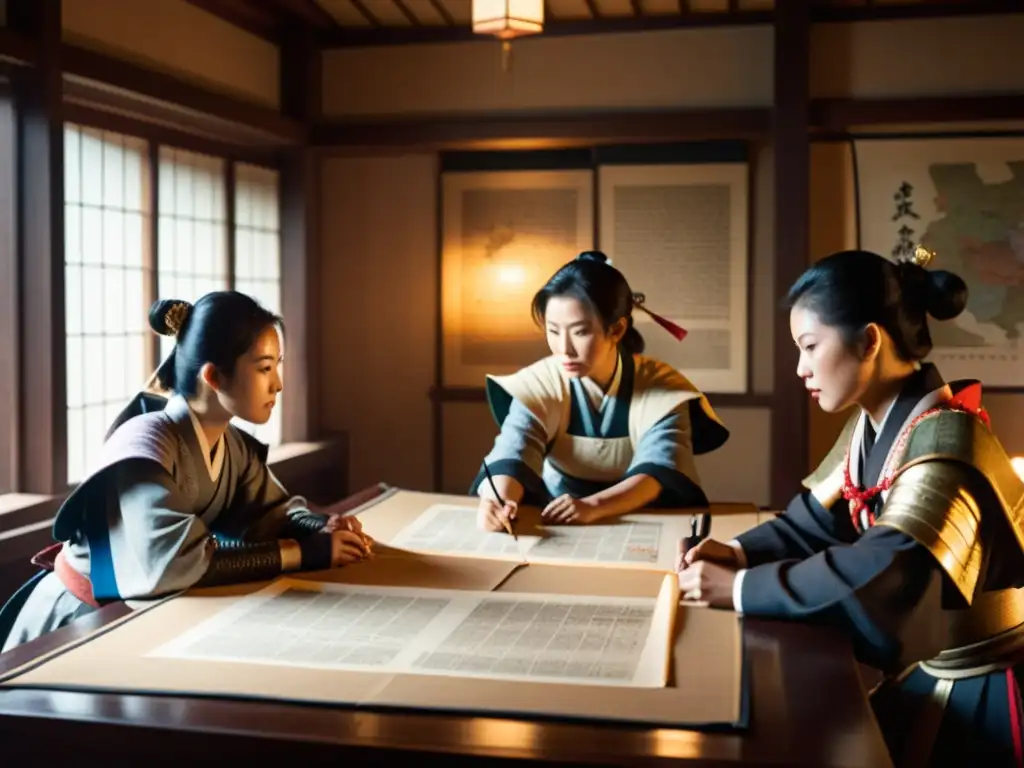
x=453, y=530
x=537, y=638
x=634, y=540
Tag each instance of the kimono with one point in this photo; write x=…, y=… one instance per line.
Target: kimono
x=911, y=540
x=162, y=512
x=561, y=435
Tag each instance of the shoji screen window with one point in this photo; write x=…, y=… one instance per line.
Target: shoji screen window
x=108, y=273
x=258, y=259
x=193, y=228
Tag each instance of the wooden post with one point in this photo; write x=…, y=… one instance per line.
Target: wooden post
x=791, y=145
x=300, y=238
x=39, y=91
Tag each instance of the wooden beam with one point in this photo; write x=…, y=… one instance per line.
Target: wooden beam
x=411, y=17
x=305, y=11
x=111, y=73
x=825, y=115
x=365, y=13
x=43, y=439
x=351, y=36
x=167, y=133
x=575, y=130
x=822, y=13
x=734, y=16
x=443, y=12
x=99, y=80
x=837, y=115
x=254, y=18
x=791, y=147
x=10, y=324
x=16, y=48
x=104, y=104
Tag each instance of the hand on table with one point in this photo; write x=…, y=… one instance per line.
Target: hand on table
x=491, y=515
x=336, y=522
x=708, y=550
x=349, y=547
x=707, y=573
x=566, y=510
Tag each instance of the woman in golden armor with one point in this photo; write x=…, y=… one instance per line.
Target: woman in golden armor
x=909, y=535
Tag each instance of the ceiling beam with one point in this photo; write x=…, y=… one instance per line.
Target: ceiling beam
x=16, y=48
x=258, y=20
x=366, y=13
x=562, y=131
x=113, y=75
x=409, y=15
x=936, y=9
x=443, y=12
x=839, y=115
x=307, y=11
x=353, y=36
x=381, y=35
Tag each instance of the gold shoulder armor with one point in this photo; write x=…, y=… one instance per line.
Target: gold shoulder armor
x=936, y=490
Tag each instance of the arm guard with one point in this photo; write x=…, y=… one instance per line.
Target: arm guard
x=302, y=523
x=236, y=562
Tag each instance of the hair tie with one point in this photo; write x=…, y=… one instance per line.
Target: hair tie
x=919, y=257
x=176, y=316
x=668, y=325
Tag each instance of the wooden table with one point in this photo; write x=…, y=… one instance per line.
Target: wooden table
x=808, y=707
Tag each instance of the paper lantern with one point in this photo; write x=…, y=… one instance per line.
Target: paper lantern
x=507, y=19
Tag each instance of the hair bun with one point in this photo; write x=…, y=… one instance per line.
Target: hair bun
x=947, y=295
x=168, y=316
x=599, y=256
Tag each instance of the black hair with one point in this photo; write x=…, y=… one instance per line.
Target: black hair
x=850, y=289
x=220, y=328
x=602, y=288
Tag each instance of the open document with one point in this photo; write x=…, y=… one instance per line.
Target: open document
x=648, y=541
x=529, y=637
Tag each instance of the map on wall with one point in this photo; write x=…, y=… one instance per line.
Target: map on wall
x=963, y=199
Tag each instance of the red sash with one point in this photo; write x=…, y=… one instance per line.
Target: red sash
x=52, y=559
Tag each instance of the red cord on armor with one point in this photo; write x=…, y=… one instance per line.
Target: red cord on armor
x=1013, y=694
x=967, y=401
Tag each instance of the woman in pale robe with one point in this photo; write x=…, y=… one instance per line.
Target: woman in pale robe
x=180, y=497
x=597, y=429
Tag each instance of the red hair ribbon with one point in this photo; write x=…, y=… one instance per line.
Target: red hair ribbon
x=668, y=325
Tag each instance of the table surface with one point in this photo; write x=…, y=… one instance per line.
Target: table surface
x=808, y=707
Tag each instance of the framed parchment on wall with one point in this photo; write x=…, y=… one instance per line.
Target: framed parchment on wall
x=963, y=199
x=679, y=233
x=504, y=234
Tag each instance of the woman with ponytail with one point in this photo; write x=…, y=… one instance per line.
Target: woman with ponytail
x=179, y=497
x=597, y=429
x=909, y=535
